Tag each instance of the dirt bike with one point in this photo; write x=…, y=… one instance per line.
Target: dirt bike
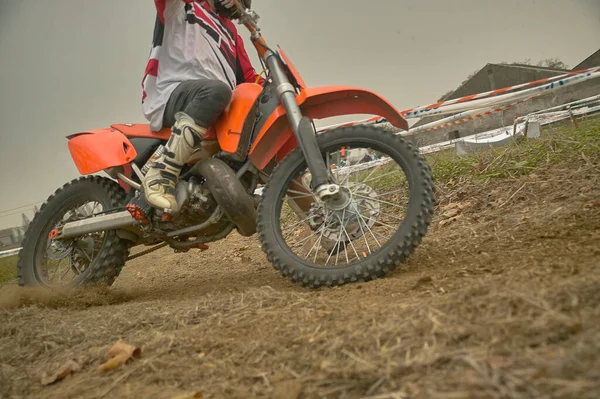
x=336, y=218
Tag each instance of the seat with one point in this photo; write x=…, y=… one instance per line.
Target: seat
x=142, y=130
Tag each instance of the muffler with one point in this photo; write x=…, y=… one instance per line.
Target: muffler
x=112, y=221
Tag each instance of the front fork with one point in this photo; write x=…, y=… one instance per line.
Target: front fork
x=303, y=129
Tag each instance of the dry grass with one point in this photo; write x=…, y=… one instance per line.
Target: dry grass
x=558, y=143
x=502, y=300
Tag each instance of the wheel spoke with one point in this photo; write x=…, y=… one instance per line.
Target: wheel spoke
x=343, y=231
x=77, y=251
x=382, y=213
x=322, y=228
x=59, y=274
x=346, y=232
x=297, y=224
x=379, y=177
x=378, y=200
x=361, y=221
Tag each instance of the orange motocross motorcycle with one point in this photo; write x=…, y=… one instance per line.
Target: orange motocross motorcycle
x=324, y=216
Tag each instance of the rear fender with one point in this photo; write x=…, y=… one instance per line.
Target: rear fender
x=276, y=137
x=96, y=150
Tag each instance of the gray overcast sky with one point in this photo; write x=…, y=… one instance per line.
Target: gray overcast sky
x=71, y=65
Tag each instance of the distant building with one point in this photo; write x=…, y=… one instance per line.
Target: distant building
x=497, y=76
x=591, y=61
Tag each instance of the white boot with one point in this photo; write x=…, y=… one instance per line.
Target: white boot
x=160, y=180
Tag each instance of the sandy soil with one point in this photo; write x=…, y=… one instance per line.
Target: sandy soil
x=502, y=300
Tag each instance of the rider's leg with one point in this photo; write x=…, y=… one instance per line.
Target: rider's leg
x=192, y=108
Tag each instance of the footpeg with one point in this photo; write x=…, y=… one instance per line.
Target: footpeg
x=139, y=208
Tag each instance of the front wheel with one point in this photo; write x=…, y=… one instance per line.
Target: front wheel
x=92, y=259
x=382, y=216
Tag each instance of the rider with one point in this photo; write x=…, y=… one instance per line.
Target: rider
x=196, y=61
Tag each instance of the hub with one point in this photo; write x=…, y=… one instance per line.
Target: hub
x=340, y=200
x=348, y=215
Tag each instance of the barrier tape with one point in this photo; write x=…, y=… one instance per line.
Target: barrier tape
x=463, y=117
x=521, y=96
x=10, y=252
x=418, y=112
x=505, y=98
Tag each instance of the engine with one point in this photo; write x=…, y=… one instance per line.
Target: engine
x=196, y=203
x=209, y=184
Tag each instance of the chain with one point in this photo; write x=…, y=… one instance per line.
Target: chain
x=147, y=251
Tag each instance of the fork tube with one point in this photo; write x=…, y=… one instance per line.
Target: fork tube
x=304, y=132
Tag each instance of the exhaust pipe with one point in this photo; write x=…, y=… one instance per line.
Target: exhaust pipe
x=222, y=182
x=112, y=221
x=230, y=194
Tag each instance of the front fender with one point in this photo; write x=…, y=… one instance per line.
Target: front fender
x=96, y=150
x=276, y=137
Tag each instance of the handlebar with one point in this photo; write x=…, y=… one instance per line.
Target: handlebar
x=248, y=17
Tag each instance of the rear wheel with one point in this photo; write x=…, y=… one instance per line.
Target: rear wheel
x=388, y=206
x=91, y=259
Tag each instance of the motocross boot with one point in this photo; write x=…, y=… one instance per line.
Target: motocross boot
x=160, y=180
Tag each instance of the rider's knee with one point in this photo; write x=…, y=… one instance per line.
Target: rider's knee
x=220, y=93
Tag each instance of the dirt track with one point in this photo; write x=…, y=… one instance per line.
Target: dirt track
x=501, y=301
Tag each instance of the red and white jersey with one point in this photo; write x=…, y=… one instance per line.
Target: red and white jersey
x=190, y=42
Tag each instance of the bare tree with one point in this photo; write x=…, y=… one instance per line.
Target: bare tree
x=551, y=62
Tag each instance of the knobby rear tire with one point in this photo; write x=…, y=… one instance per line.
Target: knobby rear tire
x=106, y=266
x=379, y=264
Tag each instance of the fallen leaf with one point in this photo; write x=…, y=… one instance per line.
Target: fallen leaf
x=118, y=355
x=452, y=205
x=451, y=213
x=190, y=395
x=454, y=208
x=288, y=390
x=450, y=220
x=71, y=366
